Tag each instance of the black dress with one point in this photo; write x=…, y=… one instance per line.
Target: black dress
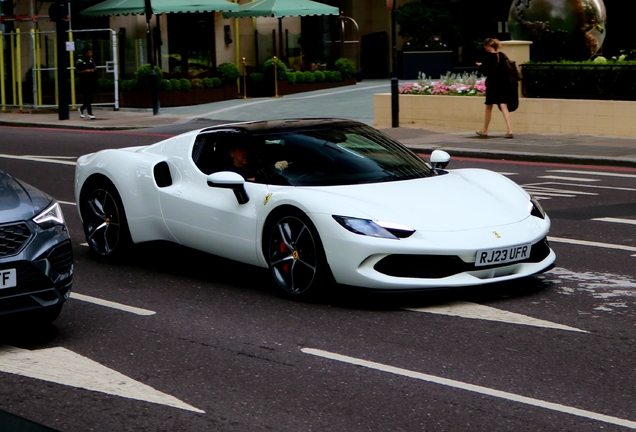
x=498, y=87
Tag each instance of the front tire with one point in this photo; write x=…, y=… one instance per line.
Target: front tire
x=295, y=256
x=104, y=220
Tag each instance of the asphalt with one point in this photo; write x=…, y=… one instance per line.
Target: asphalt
x=354, y=102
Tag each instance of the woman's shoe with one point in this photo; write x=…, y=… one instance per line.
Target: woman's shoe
x=482, y=134
x=509, y=135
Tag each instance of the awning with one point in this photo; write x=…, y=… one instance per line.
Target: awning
x=136, y=7
x=282, y=8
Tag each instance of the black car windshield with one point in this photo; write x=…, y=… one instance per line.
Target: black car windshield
x=336, y=155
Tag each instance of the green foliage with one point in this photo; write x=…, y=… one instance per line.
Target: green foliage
x=175, y=84
x=256, y=77
x=144, y=75
x=319, y=76
x=291, y=78
x=581, y=80
x=346, y=67
x=210, y=83
x=300, y=77
x=337, y=76
x=329, y=76
x=228, y=73
x=196, y=83
x=422, y=21
x=185, y=84
x=281, y=69
x=309, y=77
x=128, y=85
x=165, y=85
x=106, y=84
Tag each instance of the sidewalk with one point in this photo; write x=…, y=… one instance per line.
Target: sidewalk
x=355, y=102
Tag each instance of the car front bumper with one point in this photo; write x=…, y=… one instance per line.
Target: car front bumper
x=44, y=272
x=430, y=259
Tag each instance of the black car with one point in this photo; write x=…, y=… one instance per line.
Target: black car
x=36, y=257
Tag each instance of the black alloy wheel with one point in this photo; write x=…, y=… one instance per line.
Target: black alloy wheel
x=295, y=255
x=105, y=224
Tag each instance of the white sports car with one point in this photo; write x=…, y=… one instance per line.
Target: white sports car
x=315, y=201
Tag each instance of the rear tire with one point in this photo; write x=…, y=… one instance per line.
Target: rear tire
x=296, y=258
x=104, y=220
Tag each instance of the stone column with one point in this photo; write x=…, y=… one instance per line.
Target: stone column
x=518, y=51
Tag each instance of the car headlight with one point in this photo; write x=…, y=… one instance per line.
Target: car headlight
x=374, y=228
x=535, y=208
x=50, y=217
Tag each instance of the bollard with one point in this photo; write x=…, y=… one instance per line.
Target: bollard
x=244, y=79
x=395, y=103
x=154, y=90
x=275, y=77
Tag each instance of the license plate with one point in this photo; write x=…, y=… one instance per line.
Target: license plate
x=8, y=278
x=503, y=255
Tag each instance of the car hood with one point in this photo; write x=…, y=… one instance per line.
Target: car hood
x=460, y=200
x=19, y=200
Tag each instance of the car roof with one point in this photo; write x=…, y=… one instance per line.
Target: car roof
x=285, y=125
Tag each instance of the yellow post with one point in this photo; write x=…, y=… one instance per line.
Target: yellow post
x=18, y=74
x=72, y=63
x=13, y=86
x=244, y=80
x=36, y=75
x=237, y=47
x=275, y=77
x=3, y=100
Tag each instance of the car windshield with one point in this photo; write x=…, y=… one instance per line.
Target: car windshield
x=340, y=155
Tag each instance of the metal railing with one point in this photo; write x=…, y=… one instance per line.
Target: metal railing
x=20, y=89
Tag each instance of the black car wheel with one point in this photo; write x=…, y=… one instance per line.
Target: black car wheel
x=105, y=223
x=296, y=259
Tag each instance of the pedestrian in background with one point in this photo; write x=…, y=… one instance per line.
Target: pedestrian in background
x=499, y=90
x=87, y=71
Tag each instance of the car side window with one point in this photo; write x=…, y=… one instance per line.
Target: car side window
x=210, y=152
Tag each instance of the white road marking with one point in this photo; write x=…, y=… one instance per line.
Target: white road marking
x=113, y=305
x=84, y=244
x=593, y=173
x=592, y=186
x=546, y=190
x=533, y=193
x=471, y=387
x=476, y=311
x=53, y=157
x=593, y=244
x=568, y=178
x=541, y=197
x=67, y=203
x=61, y=366
x=507, y=173
x=38, y=159
x=616, y=220
x=242, y=106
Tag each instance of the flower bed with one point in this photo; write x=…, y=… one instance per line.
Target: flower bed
x=447, y=85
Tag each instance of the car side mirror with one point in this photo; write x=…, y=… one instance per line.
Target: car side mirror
x=230, y=180
x=439, y=160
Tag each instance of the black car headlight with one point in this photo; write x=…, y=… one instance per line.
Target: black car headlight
x=374, y=228
x=535, y=208
x=50, y=217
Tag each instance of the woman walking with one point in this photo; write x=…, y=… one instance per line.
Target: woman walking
x=499, y=90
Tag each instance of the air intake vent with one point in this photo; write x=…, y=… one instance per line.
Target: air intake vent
x=162, y=175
